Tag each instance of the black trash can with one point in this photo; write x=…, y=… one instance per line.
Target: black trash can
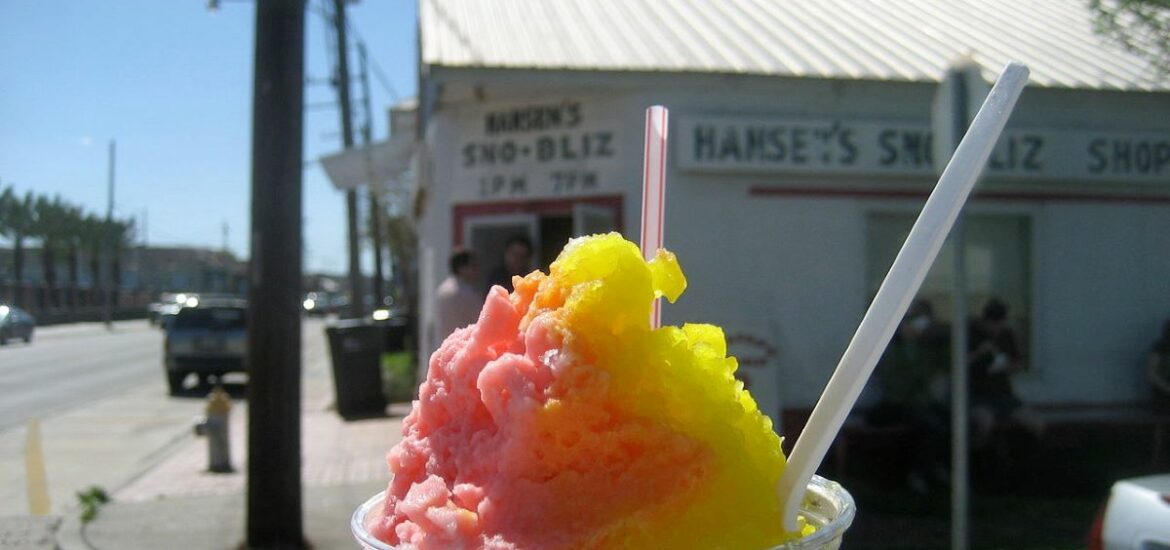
x=356, y=349
x=394, y=332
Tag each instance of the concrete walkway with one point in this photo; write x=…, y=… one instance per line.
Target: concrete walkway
x=102, y=407
x=212, y=522
x=107, y=444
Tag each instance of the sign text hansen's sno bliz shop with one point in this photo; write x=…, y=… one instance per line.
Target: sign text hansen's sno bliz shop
x=536, y=150
x=867, y=147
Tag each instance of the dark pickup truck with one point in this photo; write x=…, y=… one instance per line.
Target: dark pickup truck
x=207, y=339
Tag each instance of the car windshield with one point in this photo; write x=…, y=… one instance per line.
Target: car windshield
x=217, y=318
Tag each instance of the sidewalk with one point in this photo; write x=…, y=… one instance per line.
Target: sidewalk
x=119, y=436
x=179, y=504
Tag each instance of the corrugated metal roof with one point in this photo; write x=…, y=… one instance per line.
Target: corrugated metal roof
x=912, y=40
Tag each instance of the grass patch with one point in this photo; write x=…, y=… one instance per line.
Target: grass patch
x=398, y=376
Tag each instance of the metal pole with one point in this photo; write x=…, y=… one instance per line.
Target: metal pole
x=959, y=410
x=274, y=506
x=107, y=267
x=351, y=207
x=375, y=186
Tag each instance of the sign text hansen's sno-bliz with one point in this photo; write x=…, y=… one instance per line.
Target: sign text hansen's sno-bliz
x=545, y=148
x=867, y=147
x=533, y=118
x=538, y=150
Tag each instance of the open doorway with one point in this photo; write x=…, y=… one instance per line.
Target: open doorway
x=488, y=235
x=487, y=228
x=556, y=231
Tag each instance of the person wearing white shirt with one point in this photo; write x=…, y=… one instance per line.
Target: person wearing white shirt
x=458, y=298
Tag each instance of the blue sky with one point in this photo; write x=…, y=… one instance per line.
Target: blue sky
x=172, y=83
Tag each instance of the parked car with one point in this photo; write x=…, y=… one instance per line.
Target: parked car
x=169, y=305
x=206, y=338
x=1136, y=515
x=316, y=304
x=154, y=309
x=15, y=323
x=321, y=303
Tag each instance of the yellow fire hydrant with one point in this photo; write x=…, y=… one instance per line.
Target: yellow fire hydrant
x=215, y=426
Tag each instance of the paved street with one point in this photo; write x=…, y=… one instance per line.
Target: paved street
x=66, y=366
x=105, y=415
x=102, y=405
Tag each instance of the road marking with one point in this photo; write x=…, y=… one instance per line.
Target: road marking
x=34, y=465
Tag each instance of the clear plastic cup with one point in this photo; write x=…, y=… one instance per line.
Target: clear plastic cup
x=357, y=524
x=827, y=506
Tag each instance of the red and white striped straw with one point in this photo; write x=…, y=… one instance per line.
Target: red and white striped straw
x=654, y=192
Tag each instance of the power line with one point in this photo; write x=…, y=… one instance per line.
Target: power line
x=378, y=72
x=385, y=82
x=321, y=8
x=330, y=39
x=321, y=106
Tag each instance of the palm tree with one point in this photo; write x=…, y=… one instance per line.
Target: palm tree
x=7, y=198
x=51, y=227
x=92, y=238
x=74, y=230
x=122, y=237
x=16, y=221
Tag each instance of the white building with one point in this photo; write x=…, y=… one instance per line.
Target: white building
x=799, y=155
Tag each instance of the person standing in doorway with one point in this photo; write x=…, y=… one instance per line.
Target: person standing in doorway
x=458, y=298
x=517, y=262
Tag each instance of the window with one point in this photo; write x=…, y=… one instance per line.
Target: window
x=214, y=318
x=997, y=264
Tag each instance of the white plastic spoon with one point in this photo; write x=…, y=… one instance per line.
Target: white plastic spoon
x=898, y=288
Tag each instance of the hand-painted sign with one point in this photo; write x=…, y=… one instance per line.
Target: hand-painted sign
x=557, y=148
x=739, y=144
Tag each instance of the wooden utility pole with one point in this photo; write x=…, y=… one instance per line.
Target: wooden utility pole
x=274, y=507
x=375, y=186
x=357, y=294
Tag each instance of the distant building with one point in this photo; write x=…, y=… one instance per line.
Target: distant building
x=149, y=269
x=176, y=269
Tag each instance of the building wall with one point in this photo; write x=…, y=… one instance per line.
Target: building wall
x=438, y=154
x=791, y=268
x=1101, y=294
x=1098, y=285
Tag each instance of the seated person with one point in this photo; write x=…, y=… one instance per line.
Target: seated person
x=993, y=357
x=912, y=377
x=912, y=371
x=1158, y=369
